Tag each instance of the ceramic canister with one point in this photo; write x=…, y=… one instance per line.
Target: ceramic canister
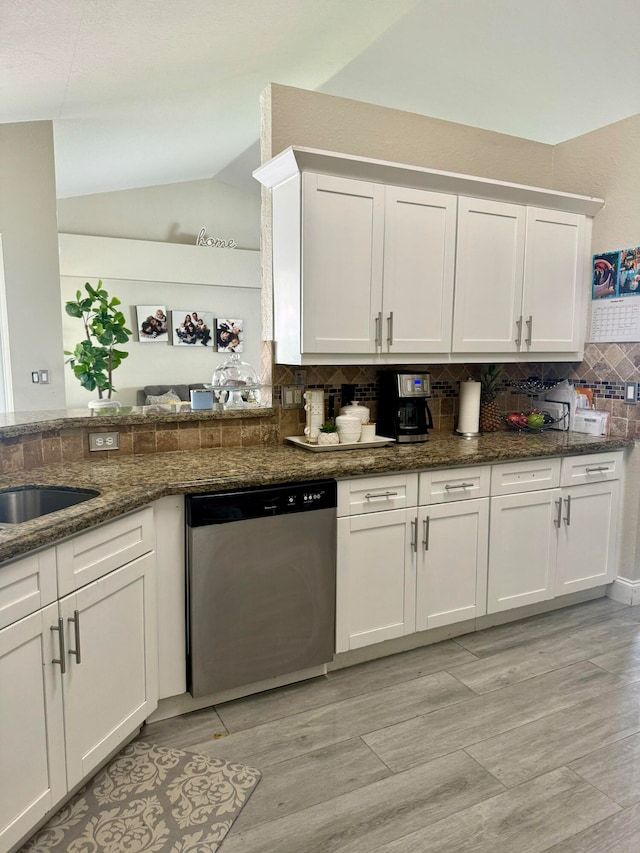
x=357, y=410
x=349, y=428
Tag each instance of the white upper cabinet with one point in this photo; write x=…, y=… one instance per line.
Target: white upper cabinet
x=375, y=261
x=377, y=267
x=419, y=256
x=342, y=255
x=553, y=277
x=489, y=270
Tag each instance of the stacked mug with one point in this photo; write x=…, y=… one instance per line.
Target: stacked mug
x=314, y=407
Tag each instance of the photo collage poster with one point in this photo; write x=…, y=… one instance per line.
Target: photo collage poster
x=616, y=274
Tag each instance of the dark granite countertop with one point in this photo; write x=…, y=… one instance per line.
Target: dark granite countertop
x=14, y=424
x=131, y=482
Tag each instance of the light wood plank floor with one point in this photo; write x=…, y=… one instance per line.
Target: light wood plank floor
x=523, y=737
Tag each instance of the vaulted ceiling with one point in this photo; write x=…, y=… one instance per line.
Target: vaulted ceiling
x=145, y=92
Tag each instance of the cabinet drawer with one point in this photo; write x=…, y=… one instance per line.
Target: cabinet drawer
x=85, y=558
x=529, y=476
x=376, y=494
x=454, y=484
x=591, y=468
x=27, y=585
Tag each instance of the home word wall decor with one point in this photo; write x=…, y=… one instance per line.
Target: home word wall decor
x=215, y=242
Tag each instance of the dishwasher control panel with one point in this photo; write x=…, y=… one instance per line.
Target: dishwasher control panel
x=224, y=507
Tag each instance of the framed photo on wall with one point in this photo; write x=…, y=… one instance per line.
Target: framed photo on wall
x=192, y=328
x=152, y=323
x=230, y=335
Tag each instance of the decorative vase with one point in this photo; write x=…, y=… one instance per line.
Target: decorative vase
x=328, y=438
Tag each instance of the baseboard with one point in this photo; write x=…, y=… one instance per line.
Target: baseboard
x=625, y=591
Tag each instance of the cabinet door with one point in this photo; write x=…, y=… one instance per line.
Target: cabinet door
x=113, y=688
x=375, y=595
x=342, y=253
x=522, y=549
x=419, y=258
x=587, y=547
x=32, y=770
x=553, y=281
x=489, y=272
x=451, y=583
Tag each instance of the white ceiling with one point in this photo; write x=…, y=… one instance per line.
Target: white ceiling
x=145, y=92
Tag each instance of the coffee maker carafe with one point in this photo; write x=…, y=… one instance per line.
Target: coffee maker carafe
x=403, y=411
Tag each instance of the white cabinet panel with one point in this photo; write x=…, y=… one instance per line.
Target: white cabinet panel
x=342, y=256
x=591, y=468
x=87, y=557
x=419, y=259
x=489, y=274
x=32, y=761
x=114, y=686
x=451, y=583
x=587, y=547
x=454, y=484
x=553, y=281
x=375, y=578
x=377, y=494
x=522, y=549
x=27, y=585
x=525, y=476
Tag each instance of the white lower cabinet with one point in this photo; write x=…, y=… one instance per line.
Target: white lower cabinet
x=375, y=581
x=32, y=760
x=77, y=677
x=587, y=536
x=523, y=546
x=112, y=689
x=452, y=548
x=554, y=541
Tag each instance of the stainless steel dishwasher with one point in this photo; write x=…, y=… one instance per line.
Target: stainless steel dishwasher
x=261, y=576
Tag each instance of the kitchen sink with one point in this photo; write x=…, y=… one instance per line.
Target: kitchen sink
x=29, y=502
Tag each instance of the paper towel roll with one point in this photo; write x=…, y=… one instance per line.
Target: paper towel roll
x=469, y=416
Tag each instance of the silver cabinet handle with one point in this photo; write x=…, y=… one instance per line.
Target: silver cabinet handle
x=529, y=337
x=378, y=342
x=425, y=535
x=448, y=488
x=414, y=535
x=62, y=659
x=390, y=329
x=567, y=518
x=596, y=470
x=518, y=340
x=558, y=519
x=76, y=627
x=371, y=495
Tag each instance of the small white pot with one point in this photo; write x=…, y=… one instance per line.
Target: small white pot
x=328, y=438
x=356, y=410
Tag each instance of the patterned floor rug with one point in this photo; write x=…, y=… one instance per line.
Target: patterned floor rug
x=150, y=799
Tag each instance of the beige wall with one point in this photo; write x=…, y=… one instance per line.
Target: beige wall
x=30, y=248
x=300, y=117
x=172, y=213
x=606, y=163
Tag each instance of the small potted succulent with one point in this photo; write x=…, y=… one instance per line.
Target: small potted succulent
x=328, y=434
x=96, y=356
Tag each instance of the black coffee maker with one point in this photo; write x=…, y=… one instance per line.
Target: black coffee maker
x=403, y=411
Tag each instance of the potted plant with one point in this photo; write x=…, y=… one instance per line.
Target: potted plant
x=328, y=434
x=96, y=357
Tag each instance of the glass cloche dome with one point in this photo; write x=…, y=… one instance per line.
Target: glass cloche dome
x=236, y=383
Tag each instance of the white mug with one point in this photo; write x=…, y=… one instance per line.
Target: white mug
x=368, y=432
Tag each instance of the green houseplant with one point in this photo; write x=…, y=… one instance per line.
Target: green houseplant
x=96, y=356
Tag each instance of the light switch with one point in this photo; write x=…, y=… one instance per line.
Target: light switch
x=631, y=392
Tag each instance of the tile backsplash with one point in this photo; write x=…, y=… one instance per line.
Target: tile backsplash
x=605, y=369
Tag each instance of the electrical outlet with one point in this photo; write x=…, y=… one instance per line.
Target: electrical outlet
x=292, y=396
x=631, y=392
x=104, y=440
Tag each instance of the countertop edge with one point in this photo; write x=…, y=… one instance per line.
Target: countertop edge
x=130, y=483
